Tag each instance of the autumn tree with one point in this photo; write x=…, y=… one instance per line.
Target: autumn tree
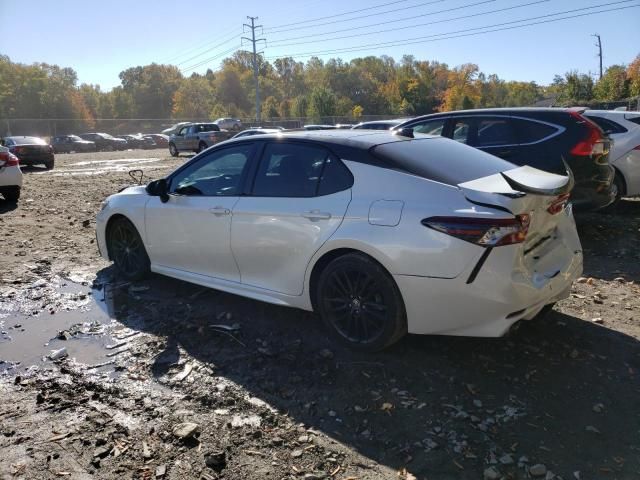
x=613, y=85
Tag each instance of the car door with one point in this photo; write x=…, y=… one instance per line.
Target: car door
x=180, y=138
x=493, y=134
x=299, y=198
x=435, y=126
x=191, y=138
x=191, y=231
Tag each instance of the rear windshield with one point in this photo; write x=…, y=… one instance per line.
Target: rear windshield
x=634, y=119
x=441, y=159
x=28, y=141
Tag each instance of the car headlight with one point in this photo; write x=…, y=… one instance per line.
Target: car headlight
x=104, y=204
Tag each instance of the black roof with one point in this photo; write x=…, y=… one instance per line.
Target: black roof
x=362, y=139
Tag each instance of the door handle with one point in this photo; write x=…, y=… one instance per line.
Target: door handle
x=219, y=211
x=317, y=215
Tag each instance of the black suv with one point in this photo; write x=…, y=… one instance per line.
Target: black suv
x=545, y=138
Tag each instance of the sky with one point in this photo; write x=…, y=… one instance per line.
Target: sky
x=101, y=39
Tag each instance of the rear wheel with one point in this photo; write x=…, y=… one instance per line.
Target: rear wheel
x=173, y=150
x=621, y=191
x=360, y=302
x=11, y=194
x=202, y=146
x=49, y=165
x=127, y=250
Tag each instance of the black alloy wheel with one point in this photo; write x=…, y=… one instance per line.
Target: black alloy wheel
x=127, y=250
x=361, y=303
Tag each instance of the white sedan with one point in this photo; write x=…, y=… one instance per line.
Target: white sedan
x=10, y=175
x=624, y=129
x=380, y=234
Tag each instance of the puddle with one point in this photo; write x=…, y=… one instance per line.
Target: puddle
x=99, y=167
x=27, y=339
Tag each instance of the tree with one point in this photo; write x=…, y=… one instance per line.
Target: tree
x=633, y=75
x=193, y=99
x=462, y=90
x=300, y=106
x=270, y=107
x=613, y=85
x=151, y=89
x=322, y=103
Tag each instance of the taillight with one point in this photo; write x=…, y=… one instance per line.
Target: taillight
x=8, y=160
x=558, y=205
x=487, y=232
x=593, y=143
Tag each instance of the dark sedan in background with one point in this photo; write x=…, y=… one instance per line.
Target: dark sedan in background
x=30, y=151
x=160, y=140
x=105, y=142
x=71, y=143
x=544, y=138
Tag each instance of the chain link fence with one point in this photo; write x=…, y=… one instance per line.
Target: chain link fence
x=47, y=128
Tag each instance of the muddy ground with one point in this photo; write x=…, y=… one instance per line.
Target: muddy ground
x=163, y=379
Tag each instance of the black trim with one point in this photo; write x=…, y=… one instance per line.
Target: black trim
x=476, y=269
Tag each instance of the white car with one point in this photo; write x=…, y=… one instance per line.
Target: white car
x=380, y=234
x=624, y=129
x=10, y=175
x=228, y=123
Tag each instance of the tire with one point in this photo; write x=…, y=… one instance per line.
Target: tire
x=360, y=303
x=11, y=194
x=202, y=146
x=545, y=312
x=49, y=165
x=108, y=148
x=173, y=150
x=619, y=182
x=126, y=249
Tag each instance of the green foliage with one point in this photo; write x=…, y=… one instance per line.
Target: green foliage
x=319, y=89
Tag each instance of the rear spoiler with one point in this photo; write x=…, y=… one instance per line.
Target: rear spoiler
x=531, y=180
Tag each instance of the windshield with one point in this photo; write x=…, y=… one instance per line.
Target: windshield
x=74, y=138
x=106, y=135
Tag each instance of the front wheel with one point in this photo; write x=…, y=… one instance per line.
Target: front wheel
x=360, y=302
x=173, y=150
x=49, y=165
x=127, y=250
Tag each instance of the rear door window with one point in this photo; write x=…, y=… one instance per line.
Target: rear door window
x=494, y=132
x=530, y=131
x=290, y=170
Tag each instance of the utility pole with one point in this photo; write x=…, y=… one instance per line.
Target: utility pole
x=254, y=40
x=599, y=45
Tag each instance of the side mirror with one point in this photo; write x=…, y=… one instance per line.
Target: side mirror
x=159, y=188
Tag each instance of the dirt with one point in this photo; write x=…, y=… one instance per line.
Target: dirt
x=163, y=379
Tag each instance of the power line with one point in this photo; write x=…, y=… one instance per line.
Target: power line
x=208, y=50
x=371, y=7
x=416, y=40
x=358, y=17
x=276, y=42
x=188, y=51
x=210, y=59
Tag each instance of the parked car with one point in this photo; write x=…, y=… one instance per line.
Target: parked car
x=31, y=151
x=71, y=143
x=196, y=137
x=160, y=140
x=624, y=129
x=229, y=124
x=105, y=142
x=10, y=175
x=379, y=124
x=319, y=127
x=174, y=128
x=380, y=234
x=256, y=131
x=545, y=138
x=139, y=141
